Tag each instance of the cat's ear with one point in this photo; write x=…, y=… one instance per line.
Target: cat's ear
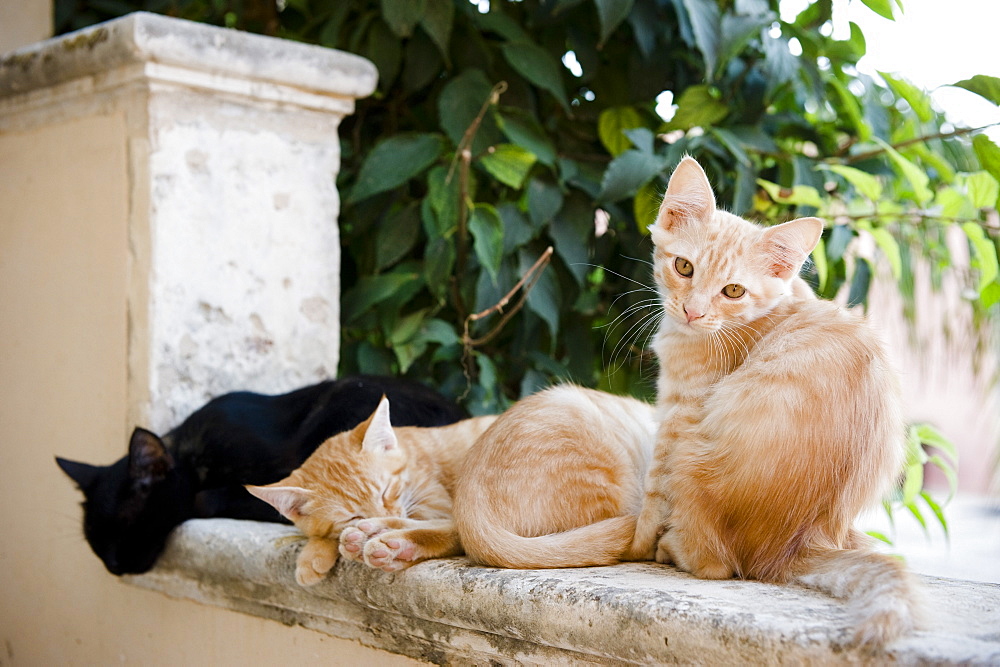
x=148, y=458
x=379, y=437
x=787, y=245
x=290, y=501
x=689, y=196
x=82, y=474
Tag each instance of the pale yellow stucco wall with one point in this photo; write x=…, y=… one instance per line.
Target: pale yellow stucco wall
x=24, y=22
x=64, y=200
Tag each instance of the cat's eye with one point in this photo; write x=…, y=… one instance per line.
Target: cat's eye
x=734, y=291
x=683, y=267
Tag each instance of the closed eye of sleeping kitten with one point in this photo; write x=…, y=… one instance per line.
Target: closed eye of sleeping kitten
x=375, y=494
x=781, y=416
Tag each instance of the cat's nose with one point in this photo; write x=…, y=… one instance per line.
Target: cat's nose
x=692, y=314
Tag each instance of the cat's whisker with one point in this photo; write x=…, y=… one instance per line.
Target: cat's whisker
x=628, y=339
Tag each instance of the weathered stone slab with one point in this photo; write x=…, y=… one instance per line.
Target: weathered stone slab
x=447, y=611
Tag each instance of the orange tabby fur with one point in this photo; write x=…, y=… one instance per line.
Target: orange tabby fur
x=556, y=481
x=781, y=416
x=375, y=494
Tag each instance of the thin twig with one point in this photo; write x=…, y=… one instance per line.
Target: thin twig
x=526, y=282
x=916, y=140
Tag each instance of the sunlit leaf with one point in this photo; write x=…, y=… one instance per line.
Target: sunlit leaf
x=988, y=154
x=883, y=8
x=868, y=185
x=984, y=253
x=916, y=176
x=698, y=106
x=983, y=85
x=509, y=164
x=611, y=124
x=890, y=250
x=799, y=195
x=983, y=189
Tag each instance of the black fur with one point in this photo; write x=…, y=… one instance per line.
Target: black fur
x=198, y=469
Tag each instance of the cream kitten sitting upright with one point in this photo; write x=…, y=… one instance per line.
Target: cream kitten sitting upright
x=781, y=415
x=376, y=494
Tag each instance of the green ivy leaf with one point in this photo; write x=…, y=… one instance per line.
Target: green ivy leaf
x=437, y=23
x=545, y=298
x=799, y=195
x=459, y=104
x=487, y=235
x=916, y=176
x=707, y=30
x=918, y=99
x=611, y=13
x=987, y=87
x=881, y=7
x=984, y=253
x=698, y=106
x=867, y=185
x=537, y=66
x=860, y=283
x=524, y=130
x=402, y=15
x=396, y=236
x=886, y=242
x=394, y=161
x=509, y=164
x=611, y=125
x=983, y=189
x=627, y=173
x=371, y=290
x=988, y=154
x=439, y=261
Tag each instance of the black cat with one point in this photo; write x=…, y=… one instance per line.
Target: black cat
x=198, y=468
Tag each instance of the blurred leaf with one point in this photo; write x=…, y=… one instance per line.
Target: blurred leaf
x=509, y=164
x=487, y=234
x=916, y=176
x=705, y=25
x=860, y=283
x=627, y=173
x=437, y=21
x=402, y=15
x=799, y=195
x=698, y=106
x=536, y=65
x=394, y=161
x=866, y=184
x=983, y=189
x=984, y=253
x=985, y=86
x=988, y=154
x=396, y=236
x=890, y=250
x=881, y=7
x=611, y=13
x=918, y=99
x=371, y=290
x=611, y=124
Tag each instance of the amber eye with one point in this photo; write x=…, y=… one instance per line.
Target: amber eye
x=683, y=267
x=734, y=291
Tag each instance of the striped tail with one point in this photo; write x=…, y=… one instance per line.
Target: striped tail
x=600, y=543
x=882, y=596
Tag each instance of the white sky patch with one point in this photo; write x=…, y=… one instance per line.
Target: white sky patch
x=572, y=64
x=665, y=107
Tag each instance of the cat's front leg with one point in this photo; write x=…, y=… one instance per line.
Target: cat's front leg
x=315, y=560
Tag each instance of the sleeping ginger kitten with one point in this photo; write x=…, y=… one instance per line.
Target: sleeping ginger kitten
x=781, y=418
x=376, y=494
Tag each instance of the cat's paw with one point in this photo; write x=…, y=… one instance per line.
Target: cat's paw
x=315, y=560
x=353, y=538
x=390, y=553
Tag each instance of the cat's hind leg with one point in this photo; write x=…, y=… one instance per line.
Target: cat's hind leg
x=315, y=560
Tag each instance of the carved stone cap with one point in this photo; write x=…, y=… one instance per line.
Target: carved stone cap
x=144, y=38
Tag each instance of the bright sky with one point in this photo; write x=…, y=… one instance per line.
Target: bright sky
x=932, y=44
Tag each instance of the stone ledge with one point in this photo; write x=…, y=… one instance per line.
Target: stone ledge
x=143, y=38
x=447, y=611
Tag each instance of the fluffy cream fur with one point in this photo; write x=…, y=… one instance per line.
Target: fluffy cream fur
x=781, y=418
x=556, y=481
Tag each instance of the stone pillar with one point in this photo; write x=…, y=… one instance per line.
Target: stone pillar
x=224, y=148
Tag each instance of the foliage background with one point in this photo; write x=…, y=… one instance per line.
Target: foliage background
x=480, y=149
